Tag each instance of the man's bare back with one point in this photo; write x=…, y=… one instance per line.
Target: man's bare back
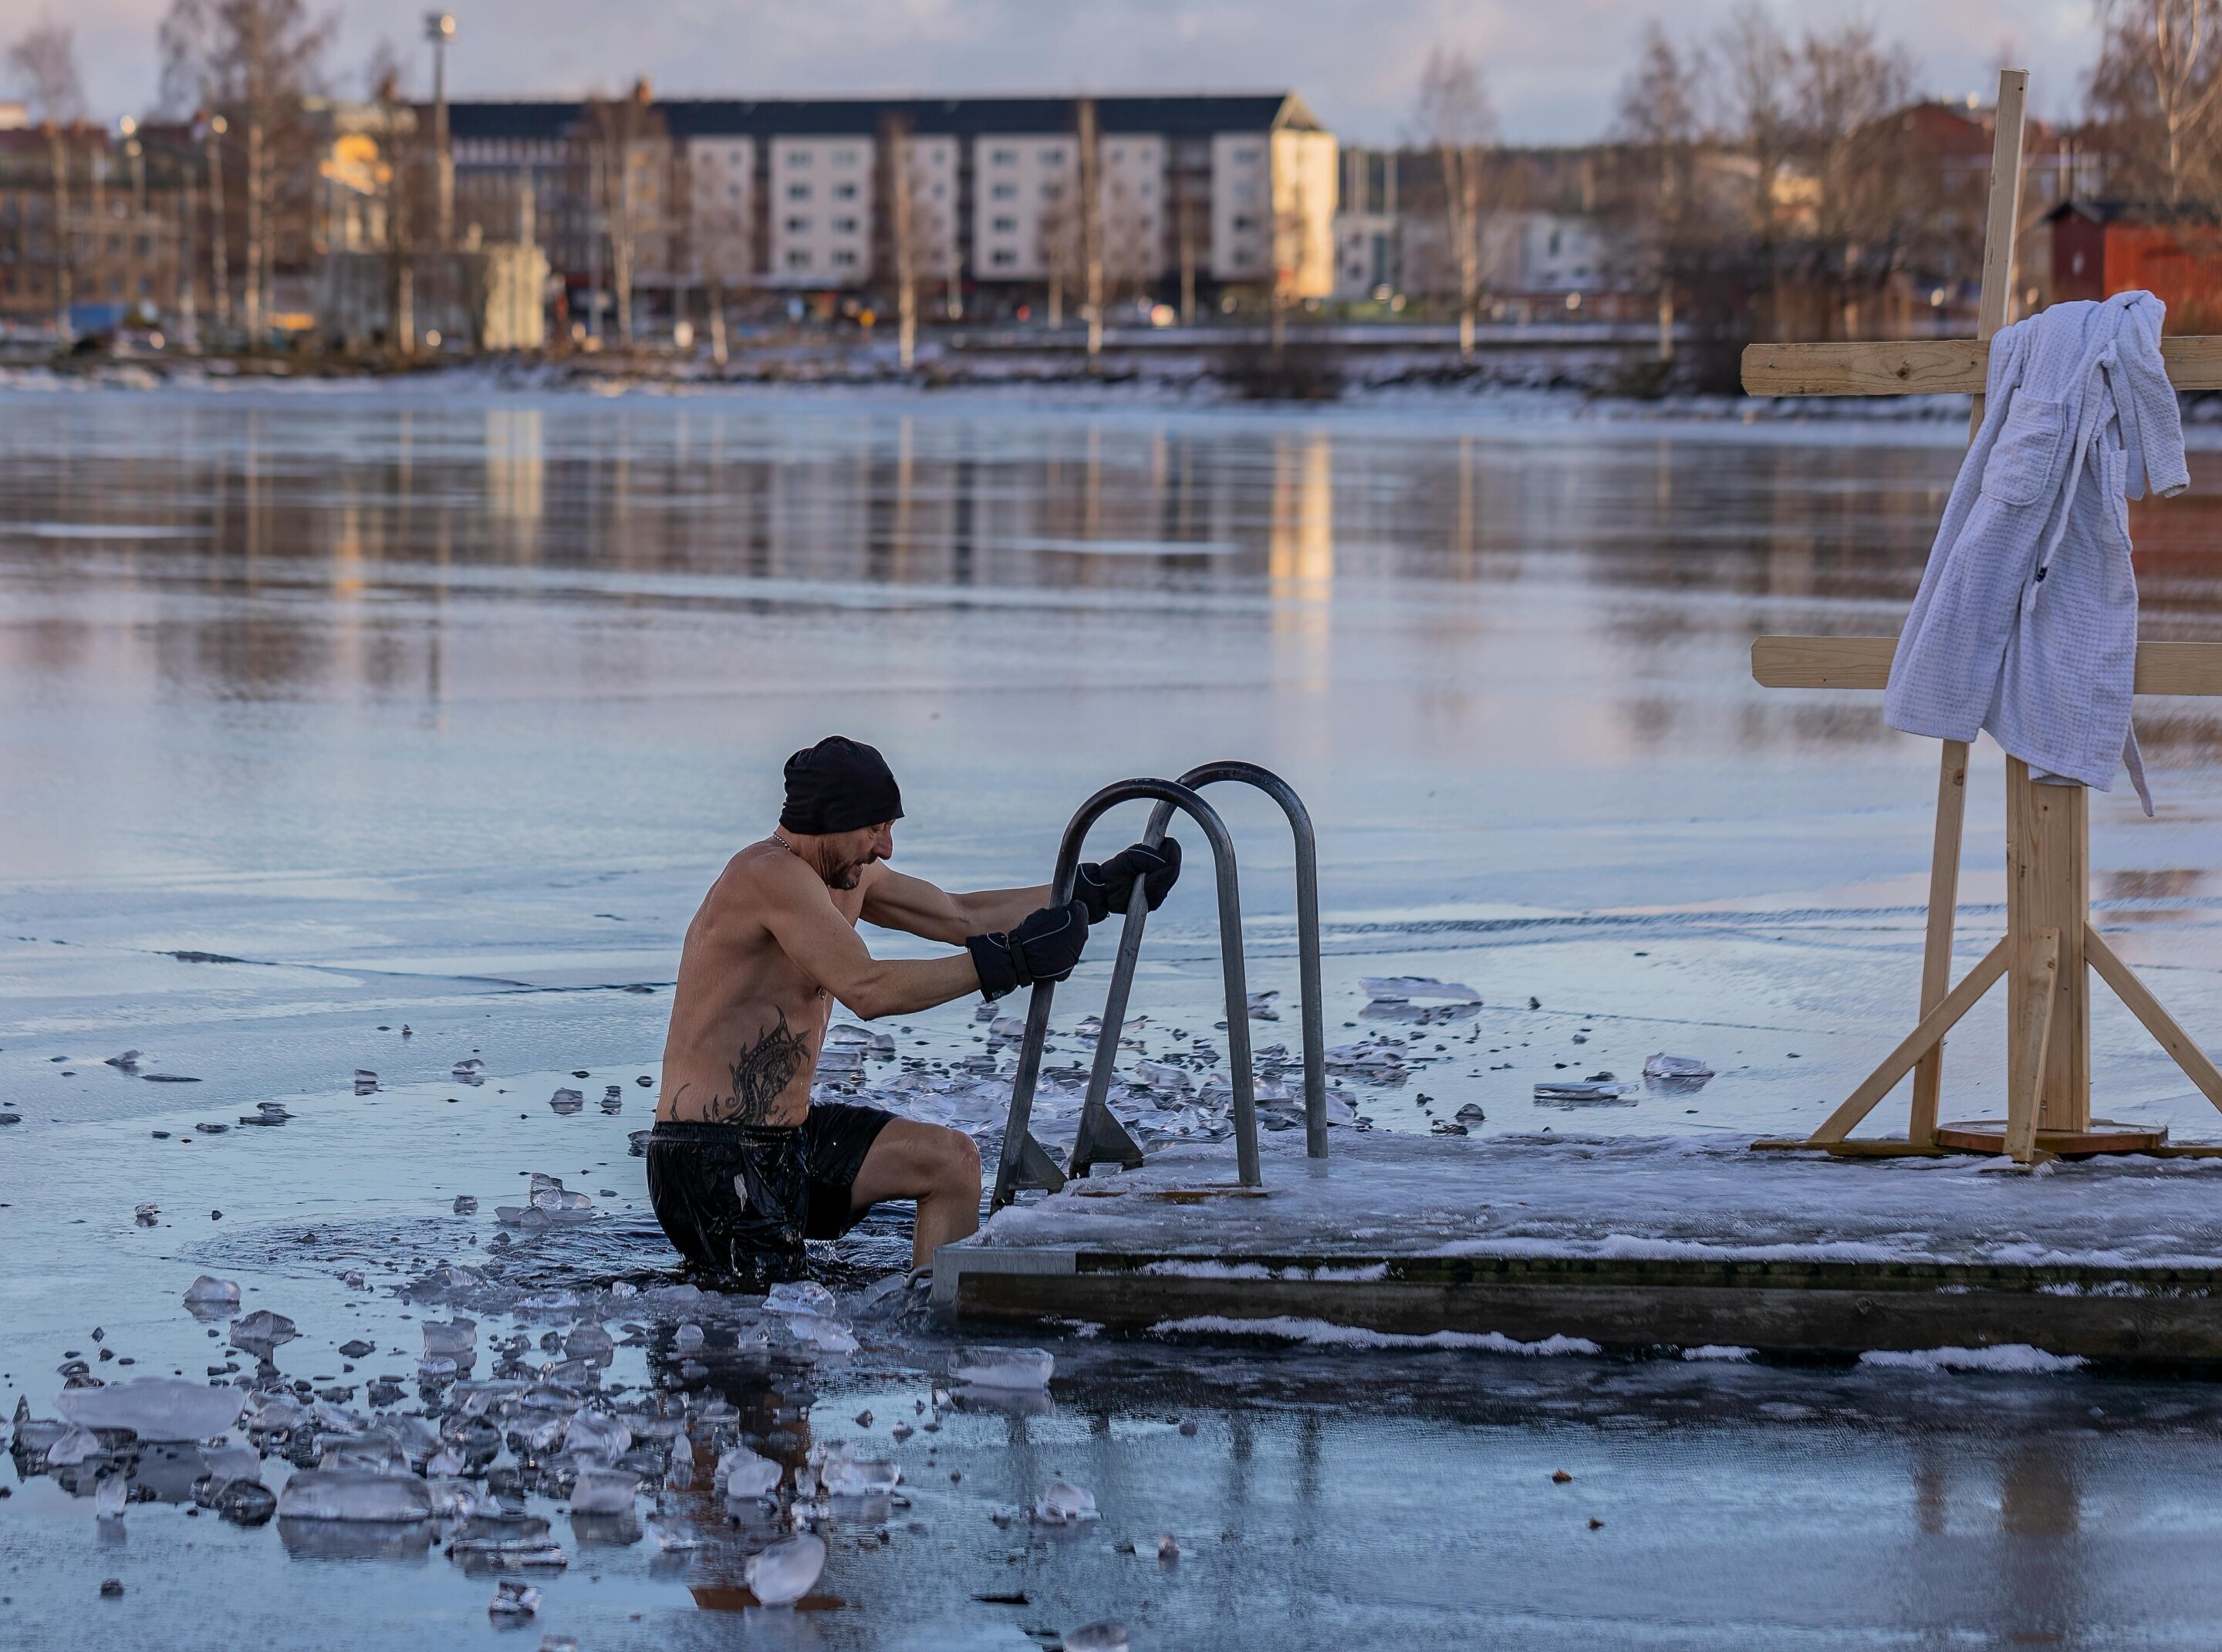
x=740, y=1165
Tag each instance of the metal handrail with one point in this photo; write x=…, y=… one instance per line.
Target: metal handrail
x=1020, y=1151
x=1102, y=1138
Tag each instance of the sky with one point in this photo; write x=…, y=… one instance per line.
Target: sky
x=1552, y=68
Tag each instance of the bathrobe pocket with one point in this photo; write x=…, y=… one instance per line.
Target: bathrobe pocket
x=2019, y=470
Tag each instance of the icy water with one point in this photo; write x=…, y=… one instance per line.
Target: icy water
x=327, y=715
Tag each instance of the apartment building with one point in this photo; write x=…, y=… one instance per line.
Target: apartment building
x=801, y=194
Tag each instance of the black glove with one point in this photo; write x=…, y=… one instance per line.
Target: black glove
x=1107, y=888
x=1043, y=948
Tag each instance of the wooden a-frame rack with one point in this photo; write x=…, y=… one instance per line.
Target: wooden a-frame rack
x=2050, y=945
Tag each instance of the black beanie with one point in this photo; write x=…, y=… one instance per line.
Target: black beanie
x=839, y=785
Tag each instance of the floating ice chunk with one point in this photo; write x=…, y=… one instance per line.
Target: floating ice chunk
x=144, y=1215
x=129, y=1061
x=1064, y=1503
x=1005, y=1368
x=73, y=1445
x=552, y=1199
x=1168, y=1547
x=605, y=1491
x=209, y=1292
x=275, y=1413
x=688, y=1338
x=1663, y=1065
x=825, y=1335
x=438, y=1367
x=784, y=1572
x=245, y=1503
x=612, y=1099
x=674, y=1536
x=109, y=1496
x=154, y=1408
x=224, y=1463
x=1163, y=1077
x=465, y=1205
x=1009, y=1028
x=679, y=1473
x=262, y=1331
x=1109, y=1636
x=590, y=1341
x=596, y=1436
x=445, y=1463
x=456, y=1339
x=860, y=1477
x=468, y=1069
x=566, y=1102
x=347, y=1494
x=799, y=1296
x=1261, y=1005
x=1408, y=988
x=741, y=1474
x=1605, y=1088
x=513, y=1599
x=366, y=1081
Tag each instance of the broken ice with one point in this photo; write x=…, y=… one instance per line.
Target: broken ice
x=1005, y=1368
x=742, y=1474
x=567, y=1100
x=605, y=1491
x=469, y=1069
x=512, y=1599
x=1109, y=1636
x=109, y=1496
x=1602, y=1088
x=1063, y=1503
x=343, y=1494
x=1663, y=1065
x=458, y=1339
x=366, y=1081
x=207, y=1291
x=1403, y=989
x=261, y=1332
x=154, y=1408
x=784, y=1572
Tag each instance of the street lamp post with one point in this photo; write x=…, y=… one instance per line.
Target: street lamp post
x=219, y=261
x=440, y=28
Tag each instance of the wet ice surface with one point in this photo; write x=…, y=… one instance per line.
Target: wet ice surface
x=397, y=738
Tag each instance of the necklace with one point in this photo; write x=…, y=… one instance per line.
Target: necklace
x=782, y=843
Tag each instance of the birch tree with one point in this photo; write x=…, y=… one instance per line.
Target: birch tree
x=1452, y=117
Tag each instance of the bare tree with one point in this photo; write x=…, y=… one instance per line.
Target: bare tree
x=1451, y=115
x=1757, y=69
x=1661, y=114
x=2159, y=82
x=253, y=60
x=619, y=130
x=42, y=63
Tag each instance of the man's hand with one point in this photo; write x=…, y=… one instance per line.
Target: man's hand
x=1109, y=887
x=1043, y=948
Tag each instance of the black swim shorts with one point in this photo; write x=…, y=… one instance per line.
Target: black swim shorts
x=740, y=1199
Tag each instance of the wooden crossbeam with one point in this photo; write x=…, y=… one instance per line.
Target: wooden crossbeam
x=2038, y=968
x=2193, y=669
x=1929, y=367
x=2157, y=1022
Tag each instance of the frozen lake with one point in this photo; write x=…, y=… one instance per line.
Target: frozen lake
x=325, y=714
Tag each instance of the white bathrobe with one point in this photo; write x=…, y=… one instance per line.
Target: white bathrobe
x=2026, y=622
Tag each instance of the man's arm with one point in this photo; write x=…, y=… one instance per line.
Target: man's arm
x=893, y=901
x=794, y=907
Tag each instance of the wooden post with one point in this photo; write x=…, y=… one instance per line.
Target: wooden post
x=2048, y=888
x=1992, y=309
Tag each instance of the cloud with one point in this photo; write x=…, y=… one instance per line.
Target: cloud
x=1553, y=69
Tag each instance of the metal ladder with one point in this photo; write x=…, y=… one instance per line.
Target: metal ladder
x=1102, y=1139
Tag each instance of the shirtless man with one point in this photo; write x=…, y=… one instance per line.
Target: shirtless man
x=742, y=1167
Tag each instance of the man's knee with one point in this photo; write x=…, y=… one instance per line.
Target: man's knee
x=956, y=1163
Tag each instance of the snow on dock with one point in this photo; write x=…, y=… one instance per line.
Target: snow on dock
x=1678, y=1242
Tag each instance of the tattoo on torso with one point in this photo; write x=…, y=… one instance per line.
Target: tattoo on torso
x=761, y=1076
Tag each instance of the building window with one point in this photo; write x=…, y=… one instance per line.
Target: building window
x=1004, y=157
x=798, y=191
x=1004, y=226
x=1243, y=222
x=1052, y=157
x=845, y=157
x=844, y=226
x=798, y=258
x=1243, y=157
x=798, y=226
x=1052, y=192
x=797, y=157
x=844, y=192
x=1118, y=153
x=1003, y=258
x=844, y=257
x=1005, y=191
